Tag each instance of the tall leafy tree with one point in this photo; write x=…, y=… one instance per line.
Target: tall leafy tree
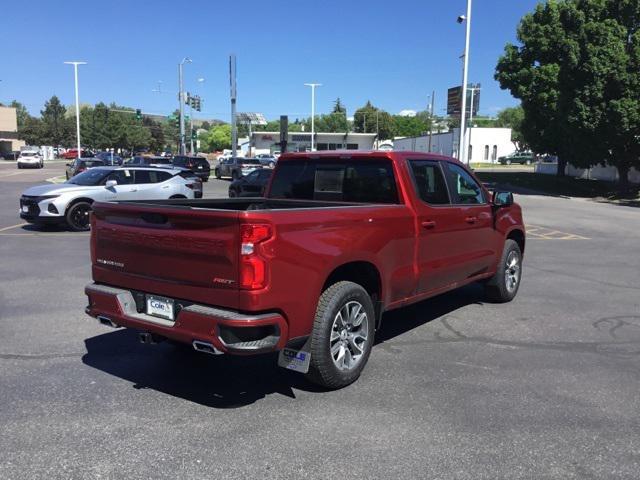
x=577, y=73
x=369, y=119
x=57, y=128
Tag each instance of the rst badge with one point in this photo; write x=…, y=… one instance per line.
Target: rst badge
x=296, y=360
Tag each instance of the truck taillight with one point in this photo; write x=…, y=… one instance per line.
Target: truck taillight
x=253, y=267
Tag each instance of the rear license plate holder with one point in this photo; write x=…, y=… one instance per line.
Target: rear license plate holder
x=161, y=307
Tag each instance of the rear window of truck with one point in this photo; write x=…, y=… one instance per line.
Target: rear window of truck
x=359, y=181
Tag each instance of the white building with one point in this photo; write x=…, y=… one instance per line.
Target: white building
x=301, y=141
x=485, y=144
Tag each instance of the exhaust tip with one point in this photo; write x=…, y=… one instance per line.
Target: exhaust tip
x=205, y=347
x=107, y=321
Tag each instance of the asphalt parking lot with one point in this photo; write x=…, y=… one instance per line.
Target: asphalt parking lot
x=544, y=387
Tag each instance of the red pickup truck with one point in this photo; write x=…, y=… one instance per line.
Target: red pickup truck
x=340, y=238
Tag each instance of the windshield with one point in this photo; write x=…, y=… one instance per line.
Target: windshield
x=91, y=177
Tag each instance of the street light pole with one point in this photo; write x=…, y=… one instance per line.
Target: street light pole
x=463, y=88
x=75, y=74
x=181, y=102
x=313, y=113
x=433, y=98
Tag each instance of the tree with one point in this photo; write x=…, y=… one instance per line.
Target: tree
x=512, y=118
x=218, y=138
x=338, y=107
x=57, y=128
x=369, y=119
x=577, y=73
x=21, y=113
x=406, y=126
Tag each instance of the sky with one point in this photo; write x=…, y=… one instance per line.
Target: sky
x=393, y=53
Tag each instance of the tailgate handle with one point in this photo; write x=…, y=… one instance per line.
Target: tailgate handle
x=157, y=218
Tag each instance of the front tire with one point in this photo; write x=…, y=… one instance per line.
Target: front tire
x=504, y=285
x=78, y=216
x=217, y=172
x=232, y=193
x=234, y=176
x=508, y=162
x=342, y=336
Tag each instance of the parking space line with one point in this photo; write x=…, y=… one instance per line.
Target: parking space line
x=537, y=232
x=13, y=226
x=45, y=234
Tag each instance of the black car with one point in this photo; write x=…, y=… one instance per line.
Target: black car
x=252, y=185
x=146, y=161
x=109, y=159
x=10, y=155
x=79, y=165
x=237, y=167
x=198, y=165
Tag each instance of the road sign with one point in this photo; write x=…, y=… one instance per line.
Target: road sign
x=454, y=100
x=252, y=118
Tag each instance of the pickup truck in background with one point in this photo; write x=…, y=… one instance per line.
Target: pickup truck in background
x=308, y=270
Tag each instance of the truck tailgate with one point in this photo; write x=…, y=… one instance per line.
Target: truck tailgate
x=184, y=253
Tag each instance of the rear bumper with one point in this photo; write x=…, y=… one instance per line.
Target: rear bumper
x=228, y=331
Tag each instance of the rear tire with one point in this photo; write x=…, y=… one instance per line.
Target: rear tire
x=217, y=172
x=78, y=216
x=342, y=336
x=508, y=162
x=233, y=193
x=528, y=162
x=504, y=285
x=234, y=176
x=176, y=197
x=272, y=164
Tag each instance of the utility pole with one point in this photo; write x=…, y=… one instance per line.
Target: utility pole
x=433, y=99
x=75, y=73
x=473, y=90
x=463, y=88
x=313, y=113
x=232, y=83
x=181, y=101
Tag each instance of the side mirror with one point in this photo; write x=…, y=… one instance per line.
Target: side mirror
x=502, y=199
x=111, y=183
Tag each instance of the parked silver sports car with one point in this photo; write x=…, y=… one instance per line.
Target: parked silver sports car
x=70, y=202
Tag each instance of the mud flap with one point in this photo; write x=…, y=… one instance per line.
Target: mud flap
x=296, y=360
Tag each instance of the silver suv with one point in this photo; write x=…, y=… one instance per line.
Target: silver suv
x=70, y=202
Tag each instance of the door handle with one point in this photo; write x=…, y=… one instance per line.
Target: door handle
x=133, y=190
x=471, y=219
x=429, y=224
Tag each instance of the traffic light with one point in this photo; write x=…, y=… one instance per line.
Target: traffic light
x=138, y=114
x=194, y=134
x=198, y=103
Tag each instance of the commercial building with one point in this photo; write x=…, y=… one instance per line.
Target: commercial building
x=485, y=144
x=301, y=141
x=9, y=130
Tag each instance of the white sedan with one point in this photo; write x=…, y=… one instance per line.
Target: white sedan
x=30, y=159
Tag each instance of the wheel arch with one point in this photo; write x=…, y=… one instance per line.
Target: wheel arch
x=77, y=200
x=365, y=274
x=517, y=236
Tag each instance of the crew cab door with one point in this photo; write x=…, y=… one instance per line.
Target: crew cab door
x=475, y=217
x=440, y=249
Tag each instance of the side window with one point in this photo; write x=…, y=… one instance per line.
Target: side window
x=429, y=182
x=463, y=187
x=150, y=176
x=123, y=177
x=252, y=176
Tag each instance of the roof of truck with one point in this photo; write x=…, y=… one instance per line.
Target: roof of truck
x=364, y=154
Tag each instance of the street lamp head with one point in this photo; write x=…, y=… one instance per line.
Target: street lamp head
x=75, y=63
x=461, y=18
x=185, y=60
x=201, y=80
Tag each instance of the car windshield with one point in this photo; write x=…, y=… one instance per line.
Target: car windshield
x=90, y=178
